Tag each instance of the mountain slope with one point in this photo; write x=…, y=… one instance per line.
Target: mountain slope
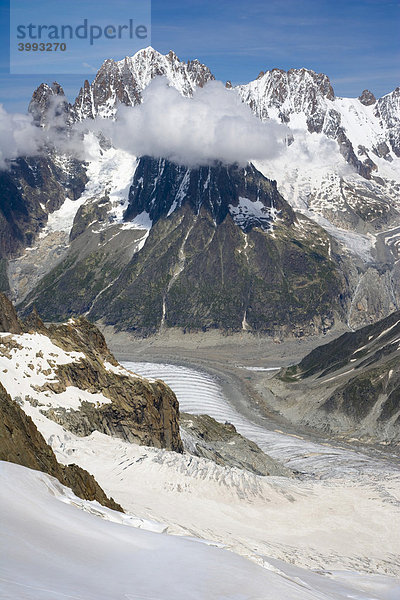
x=30, y=191
x=224, y=250
x=126, y=562
x=349, y=386
x=67, y=374
x=339, y=169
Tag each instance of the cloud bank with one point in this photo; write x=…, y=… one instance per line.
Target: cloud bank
x=18, y=136
x=21, y=137
x=213, y=125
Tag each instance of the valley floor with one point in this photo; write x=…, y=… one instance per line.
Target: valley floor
x=243, y=365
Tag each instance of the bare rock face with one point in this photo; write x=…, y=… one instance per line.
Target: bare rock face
x=21, y=443
x=204, y=436
x=367, y=98
x=215, y=254
x=373, y=299
x=140, y=411
x=9, y=321
x=388, y=111
x=30, y=190
x=34, y=324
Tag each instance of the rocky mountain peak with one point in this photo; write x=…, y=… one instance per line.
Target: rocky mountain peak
x=172, y=56
x=124, y=81
x=278, y=93
x=160, y=187
x=49, y=104
x=367, y=98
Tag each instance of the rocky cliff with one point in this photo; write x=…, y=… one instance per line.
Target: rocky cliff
x=66, y=373
x=9, y=321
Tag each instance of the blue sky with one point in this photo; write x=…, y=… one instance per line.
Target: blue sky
x=355, y=42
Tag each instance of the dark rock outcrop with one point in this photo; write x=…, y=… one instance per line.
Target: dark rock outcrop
x=9, y=321
x=204, y=436
x=30, y=190
x=367, y=98
x=370, y=341
x=140, y=411
x=387, y=111
x=21, y=443
x=160, y=187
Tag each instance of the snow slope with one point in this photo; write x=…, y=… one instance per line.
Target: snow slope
x=56, y=546
x=339, y=517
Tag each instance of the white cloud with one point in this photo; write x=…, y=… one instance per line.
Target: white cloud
x=213, y=125
x=18, y=136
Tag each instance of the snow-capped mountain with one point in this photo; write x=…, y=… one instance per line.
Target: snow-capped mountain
x=313, y=173
x=363, y=127
x=118, y=82
x=340, y=168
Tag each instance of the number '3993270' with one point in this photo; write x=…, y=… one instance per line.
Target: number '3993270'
x=42, y=47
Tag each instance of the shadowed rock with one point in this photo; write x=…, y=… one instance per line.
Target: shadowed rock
x=21, y=443
x=9, y=321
